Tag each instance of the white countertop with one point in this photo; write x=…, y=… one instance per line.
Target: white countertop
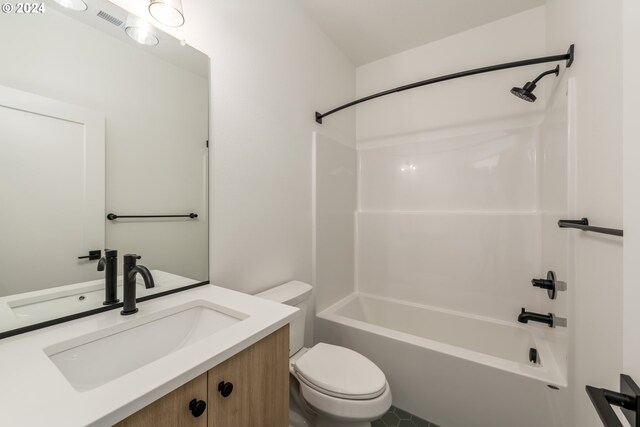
x=33, y=392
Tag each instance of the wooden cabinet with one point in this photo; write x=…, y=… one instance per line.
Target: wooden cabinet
x=251, y=389
x=172, y=409
x=260, y=378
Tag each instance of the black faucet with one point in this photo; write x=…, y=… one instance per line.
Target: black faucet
x=549, y=319
x=109, y=264
x=129, y=282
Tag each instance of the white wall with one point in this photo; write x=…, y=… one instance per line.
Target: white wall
x=271, y=69
x=631, y=130
x=156, y=129
x=596, y=29
x=449, y=174
x=471, y=102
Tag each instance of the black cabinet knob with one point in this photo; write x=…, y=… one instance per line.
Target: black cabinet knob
x=197, y=407
x=225, y=389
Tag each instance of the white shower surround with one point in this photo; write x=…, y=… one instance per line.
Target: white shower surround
x=452, y=222
x=456, y=211
x=423, y=251
x=440, y=279
x=449, y=234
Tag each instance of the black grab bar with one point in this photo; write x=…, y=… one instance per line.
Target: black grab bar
x=583, y=224
x=113, y=216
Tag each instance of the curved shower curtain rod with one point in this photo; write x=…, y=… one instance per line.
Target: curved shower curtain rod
x=569, y=56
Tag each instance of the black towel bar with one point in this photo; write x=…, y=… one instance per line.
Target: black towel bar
x=583, y=224
x=113, y=216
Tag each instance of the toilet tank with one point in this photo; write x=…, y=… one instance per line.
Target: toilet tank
x=296, y=294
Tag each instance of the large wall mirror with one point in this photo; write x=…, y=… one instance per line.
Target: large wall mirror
x=104, y=123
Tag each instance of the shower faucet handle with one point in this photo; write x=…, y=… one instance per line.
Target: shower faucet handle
x=542, y=283
x=551, y=284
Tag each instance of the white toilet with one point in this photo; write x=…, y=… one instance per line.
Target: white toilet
x=331, y=386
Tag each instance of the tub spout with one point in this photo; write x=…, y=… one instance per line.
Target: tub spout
x=549, y=319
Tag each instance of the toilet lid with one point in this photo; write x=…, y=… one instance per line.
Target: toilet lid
x=340, y=372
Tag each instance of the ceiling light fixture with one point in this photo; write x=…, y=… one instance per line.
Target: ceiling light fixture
x=77, y=5
x=141, y=31
x=167, y=12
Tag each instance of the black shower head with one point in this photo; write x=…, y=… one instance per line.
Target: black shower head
x=526, y=92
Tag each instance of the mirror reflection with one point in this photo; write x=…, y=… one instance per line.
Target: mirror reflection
x=103, y=144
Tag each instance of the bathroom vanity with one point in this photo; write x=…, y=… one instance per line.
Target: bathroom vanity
x=248, y=389
x=125, y=158
x=205, y=356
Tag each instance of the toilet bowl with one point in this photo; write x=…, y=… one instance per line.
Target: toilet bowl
x=331, y=386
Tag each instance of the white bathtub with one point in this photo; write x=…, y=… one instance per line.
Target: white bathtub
x=454, y=369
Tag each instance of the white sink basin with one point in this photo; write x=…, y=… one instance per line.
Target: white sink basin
x=92, y=360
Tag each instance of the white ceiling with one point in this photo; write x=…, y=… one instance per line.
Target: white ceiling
x=367, y=30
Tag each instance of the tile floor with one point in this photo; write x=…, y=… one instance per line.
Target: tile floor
x=396, y=417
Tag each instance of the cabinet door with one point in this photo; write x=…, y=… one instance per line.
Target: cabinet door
x=260, y=378
x=172, y=410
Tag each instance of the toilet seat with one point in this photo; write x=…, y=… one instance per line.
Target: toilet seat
x=340, y=372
